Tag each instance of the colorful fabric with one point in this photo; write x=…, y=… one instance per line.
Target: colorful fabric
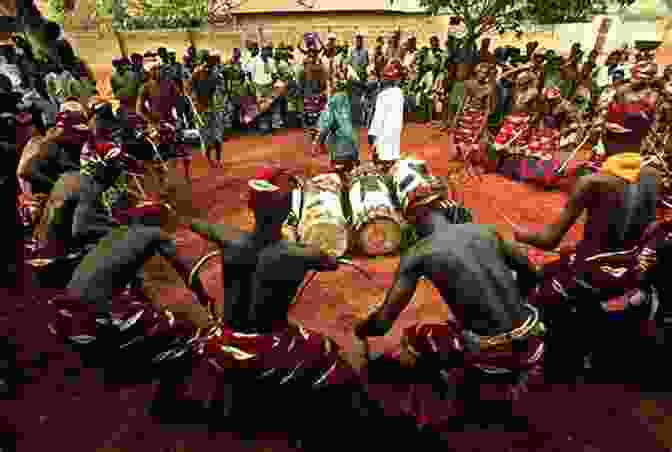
x=626, y=165
x=544, y=172
x=511, y=363
x=312, y=107
x=292, y=356
x=544, y=143
x=514, y=124
x=133, y=328
x=336, y=121
x=611, y=274
x=469, y=129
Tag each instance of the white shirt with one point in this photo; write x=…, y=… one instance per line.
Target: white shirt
x=387, y=123
x=261, y=73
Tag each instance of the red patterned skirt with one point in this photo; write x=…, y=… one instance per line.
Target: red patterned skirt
x=613, y=274
x=512, y=125
x=544, y=143
x=468, y=131
x=292, y=356
x=132, y=329
x=511, y=365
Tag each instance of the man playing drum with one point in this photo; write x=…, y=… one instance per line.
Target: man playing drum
x=473, y=269
x=263, y=355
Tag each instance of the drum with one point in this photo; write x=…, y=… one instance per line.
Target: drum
x=322, y=222
x=410, y=176
x=290, y=228
x=375, y=220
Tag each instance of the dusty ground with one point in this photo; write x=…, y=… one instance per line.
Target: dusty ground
x=334, y=300
x=75, y=411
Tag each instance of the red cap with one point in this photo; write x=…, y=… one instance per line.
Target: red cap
x=279, y=187
x=392, y=71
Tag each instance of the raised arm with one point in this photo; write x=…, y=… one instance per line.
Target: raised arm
x=551, y=236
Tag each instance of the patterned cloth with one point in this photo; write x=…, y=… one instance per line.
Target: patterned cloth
x=133, y=329
x=509, y=365
x=312, y=107
x=336, y=122
x=468, y=131
x=544, y=143
x=513, y=124
x=292, y=356
x=612, y=274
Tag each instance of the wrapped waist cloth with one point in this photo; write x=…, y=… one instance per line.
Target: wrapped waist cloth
x=294, y=355
x=512, y=126
x=521, y=349
x=130, y=325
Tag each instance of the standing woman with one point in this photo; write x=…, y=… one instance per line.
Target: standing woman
x=335, y=124
x=313, y=83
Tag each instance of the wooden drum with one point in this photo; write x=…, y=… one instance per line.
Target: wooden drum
x=290, y=228
x=375, y=219
x=322, y=222
x=410, y=177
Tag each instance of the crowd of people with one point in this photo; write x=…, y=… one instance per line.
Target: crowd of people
x=75, y=162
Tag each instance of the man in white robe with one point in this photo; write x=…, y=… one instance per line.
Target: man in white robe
x=388, y=118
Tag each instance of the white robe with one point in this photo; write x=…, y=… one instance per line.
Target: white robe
x=387, y=122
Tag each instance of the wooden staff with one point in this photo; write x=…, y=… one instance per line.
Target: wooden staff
x=121, y=43
x=562, y=167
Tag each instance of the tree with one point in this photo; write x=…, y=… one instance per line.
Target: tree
x=481, y=17
x=167, y=14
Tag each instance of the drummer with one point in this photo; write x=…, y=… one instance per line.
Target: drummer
x=256, y=298
x=388, y=118
x=471, y=266
x=336, y=125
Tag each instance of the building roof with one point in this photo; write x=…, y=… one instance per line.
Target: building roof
x=293, y=6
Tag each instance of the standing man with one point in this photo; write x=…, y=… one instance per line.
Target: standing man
x=262, y=76
x=359, y=61
x=359, y=57
x=388, y=118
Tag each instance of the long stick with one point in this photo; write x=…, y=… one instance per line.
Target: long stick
x=573, y=154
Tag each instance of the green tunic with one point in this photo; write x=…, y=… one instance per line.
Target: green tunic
x=336, y=121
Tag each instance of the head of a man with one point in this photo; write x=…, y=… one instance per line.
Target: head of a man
x=270, y=196
x=359, y=41
x=434, y=43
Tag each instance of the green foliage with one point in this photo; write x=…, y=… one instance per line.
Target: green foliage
x=481, y=16
x=162, y=14
x=55, y=11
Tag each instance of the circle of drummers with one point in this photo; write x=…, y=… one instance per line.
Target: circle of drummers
x=87, y=226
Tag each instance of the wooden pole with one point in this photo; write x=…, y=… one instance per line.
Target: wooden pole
x=122, y=44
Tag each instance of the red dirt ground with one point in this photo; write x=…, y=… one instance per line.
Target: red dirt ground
x=586, y=418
